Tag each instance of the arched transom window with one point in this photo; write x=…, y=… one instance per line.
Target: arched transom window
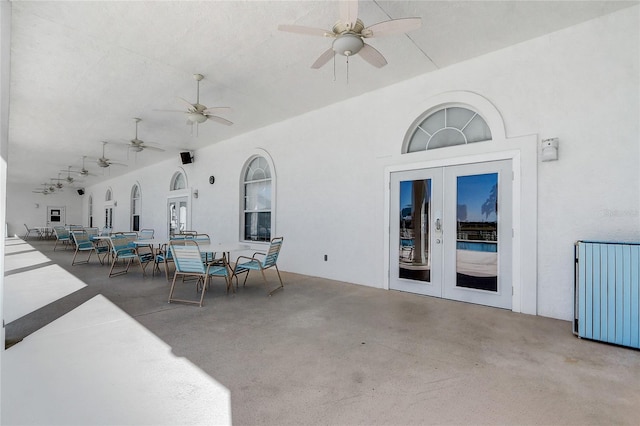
x=108, y=196
x=257, y=200
x=445, y=127
x=178, y=182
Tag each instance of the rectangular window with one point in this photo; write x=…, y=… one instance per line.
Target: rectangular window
x=257, y=226
x=108, y=217
x=135, y=210
x=257, y=211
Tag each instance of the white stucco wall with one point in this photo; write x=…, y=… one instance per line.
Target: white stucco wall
x=24, y=206
x=580, y=85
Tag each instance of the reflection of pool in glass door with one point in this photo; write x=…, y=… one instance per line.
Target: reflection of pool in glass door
x=451, y=232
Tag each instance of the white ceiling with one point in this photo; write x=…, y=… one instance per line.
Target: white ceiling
x=80, y=71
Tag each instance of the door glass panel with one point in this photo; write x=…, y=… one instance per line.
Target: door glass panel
x=177, y=216
x=477, y=232
x=415, y=211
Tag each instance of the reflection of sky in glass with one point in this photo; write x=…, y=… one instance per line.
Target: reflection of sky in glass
x=473, y=191
x=406, y=192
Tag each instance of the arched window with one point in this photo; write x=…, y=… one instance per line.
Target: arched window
x=178, y=181
x=90, y=211
x=258, y=202
x=444, y=127
x=135, y=208
x=108, y=210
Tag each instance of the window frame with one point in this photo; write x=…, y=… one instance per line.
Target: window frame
x=415, y=126
x=135, y=206
x=90, y=209
x=242, y=195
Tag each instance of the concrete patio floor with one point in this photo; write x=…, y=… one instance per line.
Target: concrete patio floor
x=327, y=352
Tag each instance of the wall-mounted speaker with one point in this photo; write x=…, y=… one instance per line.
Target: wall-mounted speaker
x=81, y=191
x=186, y=157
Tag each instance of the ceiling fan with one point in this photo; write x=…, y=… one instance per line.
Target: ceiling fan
x=349, y=34
x=69, y=179
x=83, y=171
x=58, y=185
x=138, y=145
x=198, y=113
x=104, y=161
x=44, y=190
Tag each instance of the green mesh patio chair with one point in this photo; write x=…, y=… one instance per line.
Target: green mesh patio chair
x=188, y=260
x=30, y=231
x=83, y=243
x=123, y=250
x=62, y=236
x=260, y=262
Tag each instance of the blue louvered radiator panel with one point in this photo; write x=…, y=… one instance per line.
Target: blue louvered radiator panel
x=607, y=296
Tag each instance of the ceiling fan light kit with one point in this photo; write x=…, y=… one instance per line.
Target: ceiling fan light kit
x=347, y=44
x=196, y=117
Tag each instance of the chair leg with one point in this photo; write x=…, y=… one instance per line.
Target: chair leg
x=166, y=269
x=279, y=277
x=266, y=286
x=73, y=262
x=204, y=288
x=173, y=285
x=124, y=271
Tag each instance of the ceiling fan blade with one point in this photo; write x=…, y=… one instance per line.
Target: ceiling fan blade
x=372, y=56
x=186, y=102
x=114, y=163
x=219, y=120
x=213, y=110
x=349, y=12
x=299, y=29
x=323, y=59
x=153, y=148
x=394, y=26
x=170, y=110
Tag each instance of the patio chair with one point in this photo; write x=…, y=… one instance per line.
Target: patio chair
x=92, y=231
x=83, y=242
x=164, y=255
x=123, y=249
x=188, y=261
x=146, y=234
x=62, y=236
x=263, y=262
x=31, y=231
x=202, y=239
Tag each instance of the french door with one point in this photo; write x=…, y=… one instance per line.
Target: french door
x=451, y=232
x=177, y=214
x=56, y=216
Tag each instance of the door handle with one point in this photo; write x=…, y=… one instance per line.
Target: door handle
x=438, y=225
